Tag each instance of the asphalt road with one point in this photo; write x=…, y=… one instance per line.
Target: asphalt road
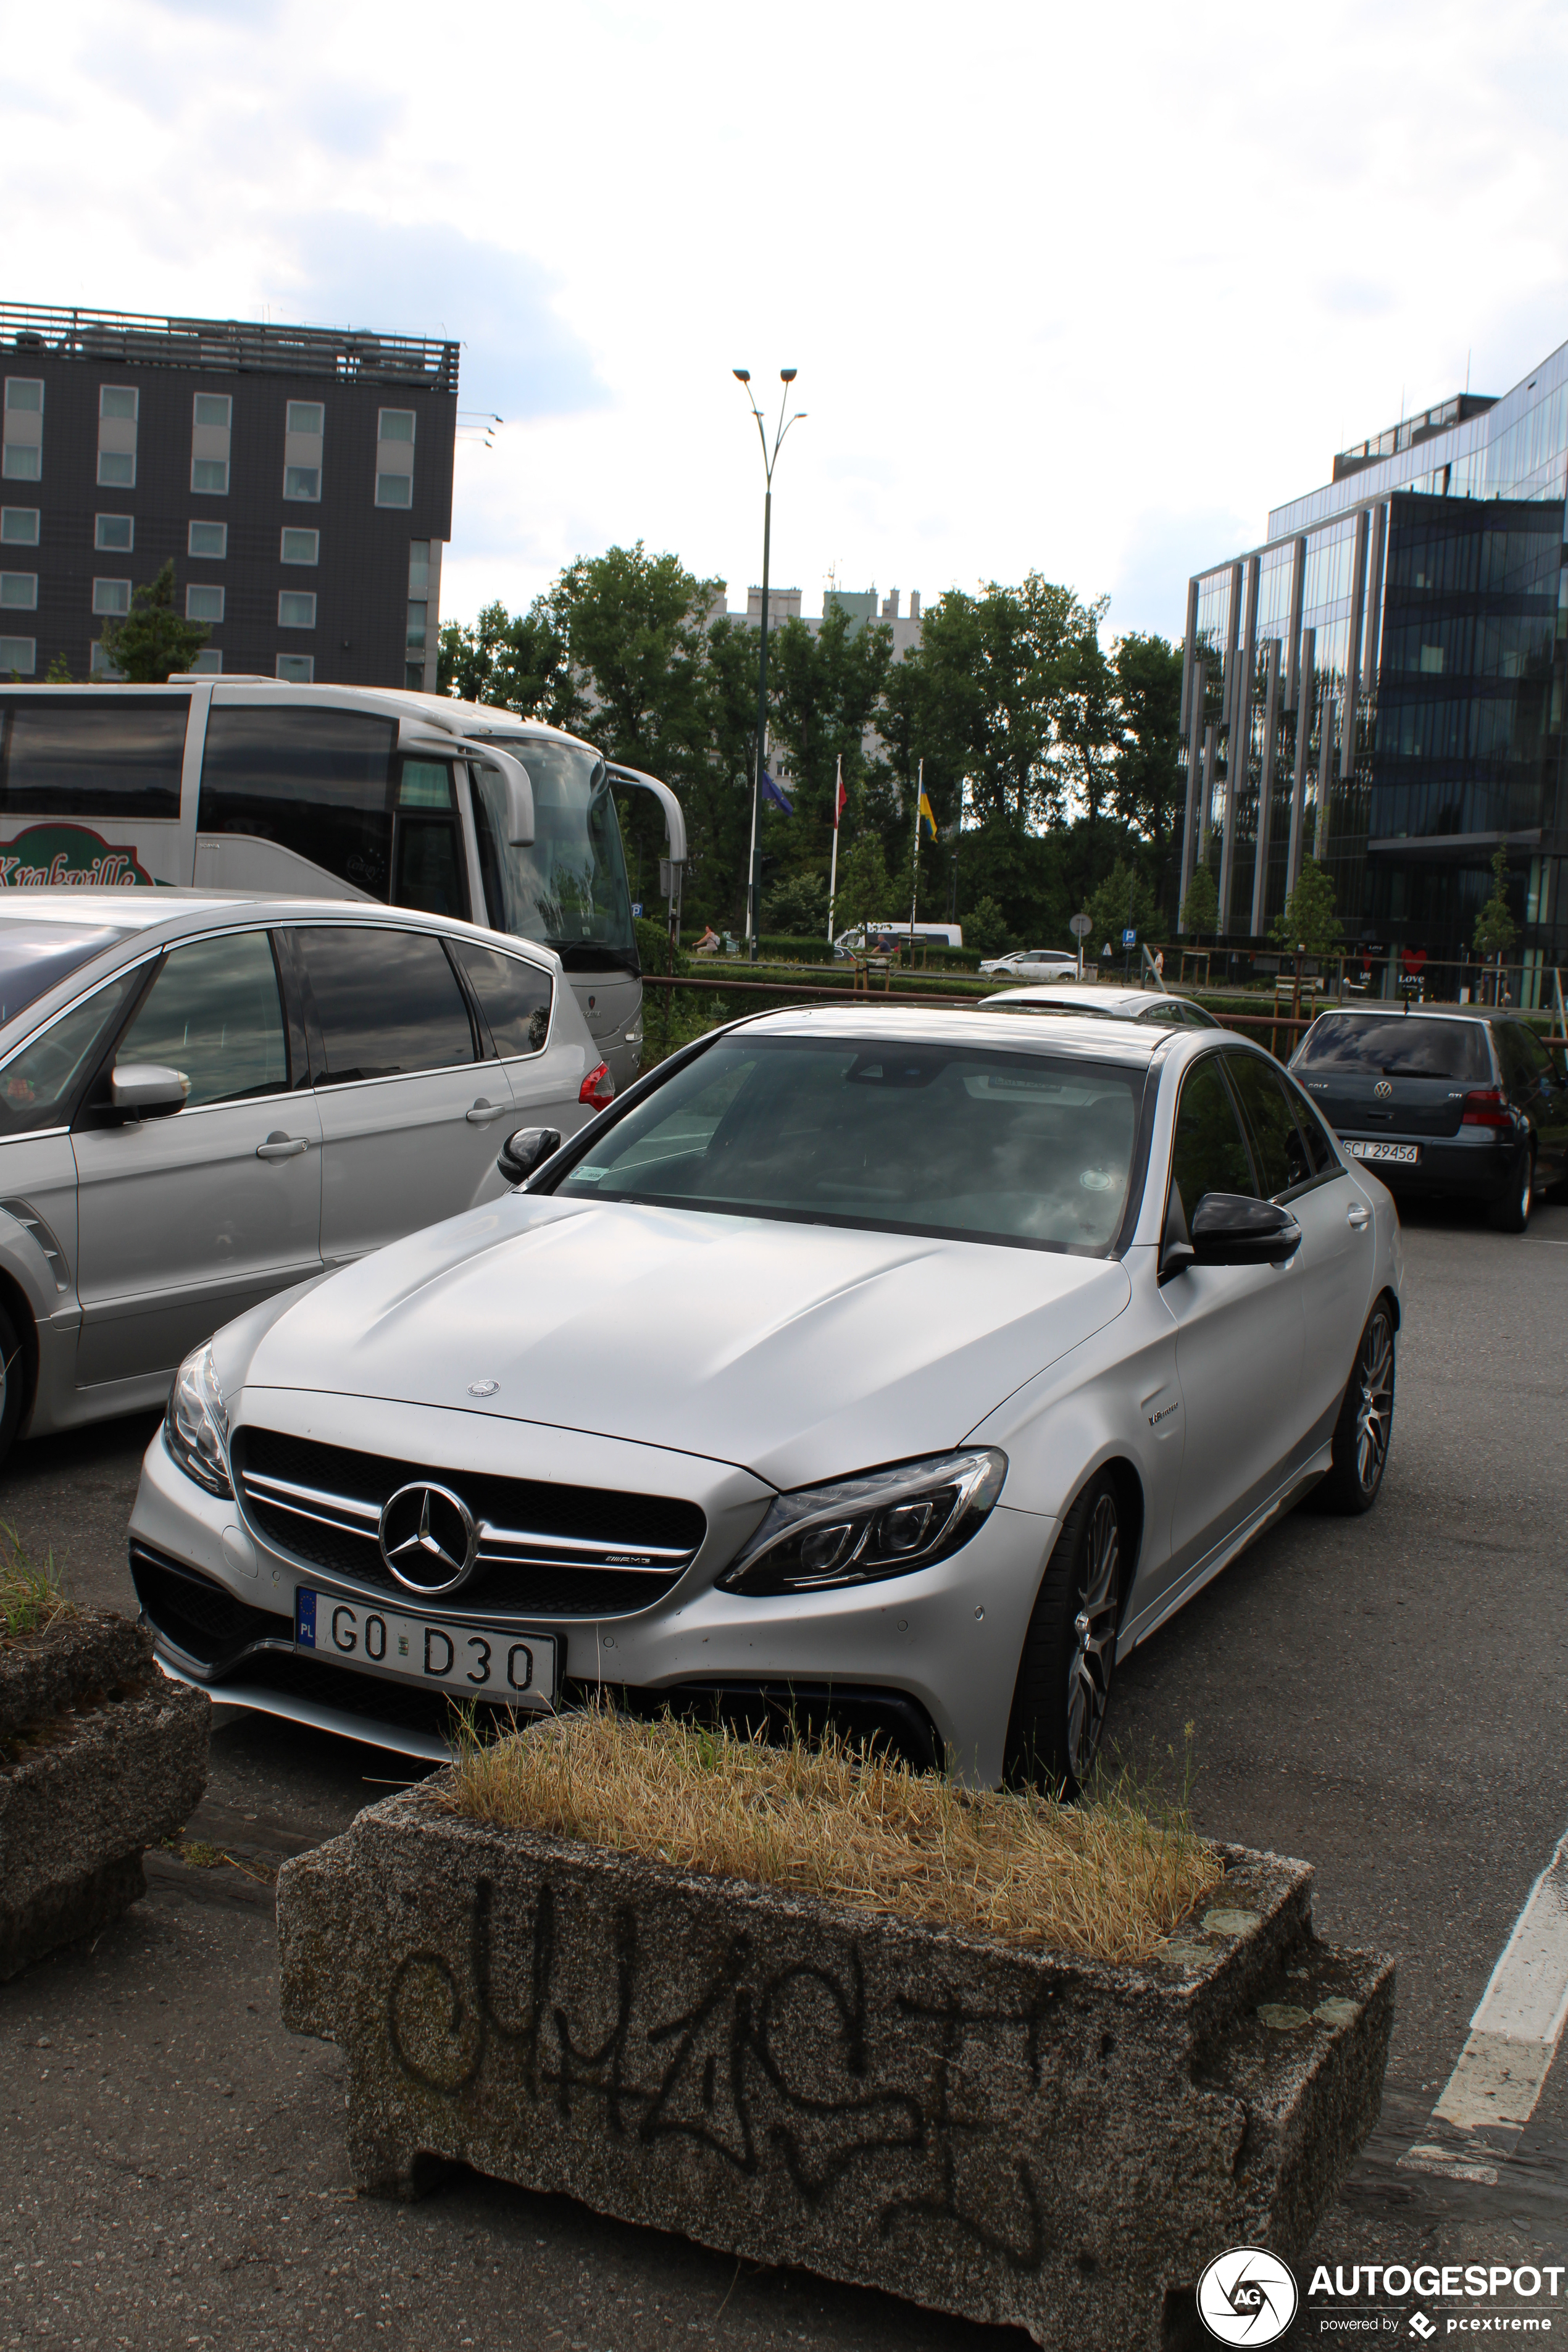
x=1384, y=1696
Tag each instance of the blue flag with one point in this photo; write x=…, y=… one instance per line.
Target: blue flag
x=772, y=792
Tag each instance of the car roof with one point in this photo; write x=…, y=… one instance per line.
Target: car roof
x=1102, y=1000
x=141, y=909
x=1099, y=1040
x=1383, y=1010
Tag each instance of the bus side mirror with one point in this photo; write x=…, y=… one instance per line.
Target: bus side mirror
x=518, y=786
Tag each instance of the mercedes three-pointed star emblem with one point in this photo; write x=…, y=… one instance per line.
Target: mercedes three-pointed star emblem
x=428, y=1538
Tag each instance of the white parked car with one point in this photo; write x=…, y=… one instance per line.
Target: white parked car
x=1098, y=1002
x=205, y=1097
x=907, y=1365
x=1036, y=964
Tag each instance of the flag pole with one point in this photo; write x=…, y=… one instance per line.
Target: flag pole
x=915, y=871
x=833, y=876
x=752, y=863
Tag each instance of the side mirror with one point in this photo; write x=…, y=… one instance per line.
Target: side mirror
x=147, y=1090
x=519, y=788
x=529, y=1149
x=1233, y=1229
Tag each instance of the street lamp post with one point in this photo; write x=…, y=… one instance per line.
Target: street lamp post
x=754, y=891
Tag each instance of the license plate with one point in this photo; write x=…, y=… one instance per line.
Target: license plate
x=468, y=1661
x=1404, y=1155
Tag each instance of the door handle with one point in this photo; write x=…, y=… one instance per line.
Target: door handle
x=483, y=1112
x=1358, y=1219
x=282, y=1147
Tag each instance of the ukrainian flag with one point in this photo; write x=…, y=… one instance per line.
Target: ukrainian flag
x=926, y=817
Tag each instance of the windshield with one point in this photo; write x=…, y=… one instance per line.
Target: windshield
x=1398, y=1046
x=984, y=1145
x=34, y=956
x=568, y=888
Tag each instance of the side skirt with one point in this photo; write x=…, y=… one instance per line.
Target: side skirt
x=1203, y=1571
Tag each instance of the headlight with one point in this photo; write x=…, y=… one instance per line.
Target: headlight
x=887, y=1523
x=195, y=1426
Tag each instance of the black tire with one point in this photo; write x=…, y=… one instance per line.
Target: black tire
x=1069, y=1651
x=1510, y=1213
x=13, y=1383
x=1365, y=1427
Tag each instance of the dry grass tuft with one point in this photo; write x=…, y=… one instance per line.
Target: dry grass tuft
x=31, y=1599
x=1105, y=1878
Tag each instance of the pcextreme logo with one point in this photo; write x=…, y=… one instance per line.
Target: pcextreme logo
x=1247, y=2296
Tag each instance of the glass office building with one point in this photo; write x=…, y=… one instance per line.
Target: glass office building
x=1380, y=685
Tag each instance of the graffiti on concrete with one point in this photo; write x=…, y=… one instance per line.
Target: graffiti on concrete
x=722, y=2074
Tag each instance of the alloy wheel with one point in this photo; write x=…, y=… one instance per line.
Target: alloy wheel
x=1093, y=1652
x=1374, y=1401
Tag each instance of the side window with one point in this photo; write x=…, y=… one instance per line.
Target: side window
x=1207, y=1154
x=38, y=1084
x=215, y=1016
x=513, y=996
x=387, y=1002
x=1517, y=1069
x=1277, y=1142
x=427, y=855
x=101, y=754
x=317, y=782
x=1532, y=1054
x=1320, y=1152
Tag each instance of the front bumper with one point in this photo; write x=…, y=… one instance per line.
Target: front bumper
x=939, y=1648
x=1483, y=1165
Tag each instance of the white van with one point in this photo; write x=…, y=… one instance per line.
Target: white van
x=943, y=935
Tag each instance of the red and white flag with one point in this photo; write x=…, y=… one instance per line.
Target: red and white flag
x=840, y=797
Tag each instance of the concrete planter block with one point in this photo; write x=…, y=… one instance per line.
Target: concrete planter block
x=1019, y=2138
x=99, y=1757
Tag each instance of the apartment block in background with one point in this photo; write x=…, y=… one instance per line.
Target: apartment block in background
x=299, y=477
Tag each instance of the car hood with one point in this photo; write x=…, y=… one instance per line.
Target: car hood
x=797, y=1351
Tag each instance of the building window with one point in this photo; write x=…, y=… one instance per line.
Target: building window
x=22, y=429
x=215, y=409
x=18, y=654
x=306, y=416
x=396, y=424
x=111, y=596
x=296, y=609
x=395, y=489
x=297, y=669
x=203, y=604
x=24, y=462
x=208, y=538
x=19, y=590
x=208, y=662
x=300, y=547
x=302, y=482
x=24, y=395
x=418, y=567
x=117, y=469
x=210, y=475
x=117, y=533
x=100, y=665
x=212, y=414
x=416, y=619
x=19, y=526
x=117, y=400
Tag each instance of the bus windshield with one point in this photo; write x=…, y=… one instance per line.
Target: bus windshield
x=568, y=888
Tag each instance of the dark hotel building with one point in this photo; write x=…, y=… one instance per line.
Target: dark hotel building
x=300, y=477
x=1381, y=684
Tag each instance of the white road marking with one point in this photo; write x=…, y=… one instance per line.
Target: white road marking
x=1513, y=2037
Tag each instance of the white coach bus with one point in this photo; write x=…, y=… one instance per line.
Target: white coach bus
x=249, y=784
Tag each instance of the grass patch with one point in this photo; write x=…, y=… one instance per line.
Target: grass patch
x=1107, y=1878
x=31, y=1599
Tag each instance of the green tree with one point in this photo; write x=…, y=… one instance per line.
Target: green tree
x=510, y=661
x=865, y=892
x=1146, y=793
x=1308, y=921
x=825, y=689
x=796, y=906
x=985, y=927
x=1200, y=907
x=59, y=672
x=1123, y=900
x=1495, y=929
x=153, y=639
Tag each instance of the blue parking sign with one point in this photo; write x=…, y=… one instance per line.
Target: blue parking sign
x=1129, y=939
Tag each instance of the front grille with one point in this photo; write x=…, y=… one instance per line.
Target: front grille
x=196, y=1614
x=544, y=1549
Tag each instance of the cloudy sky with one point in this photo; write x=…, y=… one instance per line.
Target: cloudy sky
x=1082, y=290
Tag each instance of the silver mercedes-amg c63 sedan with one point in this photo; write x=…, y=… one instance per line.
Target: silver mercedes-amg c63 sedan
x=907, y=1367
